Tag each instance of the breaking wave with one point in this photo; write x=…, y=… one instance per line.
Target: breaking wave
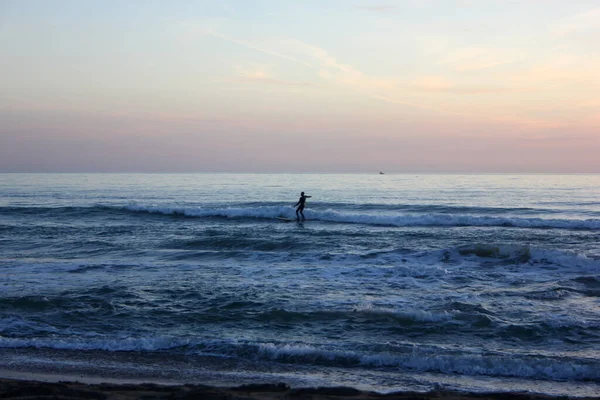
x=420, y=359
x=386, y=219
x=381, y=215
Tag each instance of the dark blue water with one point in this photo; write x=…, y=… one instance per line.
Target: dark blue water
x=469, y=282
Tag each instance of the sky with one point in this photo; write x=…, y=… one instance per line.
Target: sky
x=448, y=86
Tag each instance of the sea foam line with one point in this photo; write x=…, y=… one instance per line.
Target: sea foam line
x=423, y=360
x=400, y=220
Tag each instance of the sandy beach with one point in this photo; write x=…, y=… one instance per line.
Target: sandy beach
x=29, y=389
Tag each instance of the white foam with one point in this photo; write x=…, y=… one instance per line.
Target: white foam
x=454, y=220
x=228, y=212
x=411, y=315
x=417, y=359
x=107, y=344
x=425, y=360
x=565, y=258
x=466, y=364
x=372, y=219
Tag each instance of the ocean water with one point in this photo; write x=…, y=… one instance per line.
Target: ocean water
x=394, y=282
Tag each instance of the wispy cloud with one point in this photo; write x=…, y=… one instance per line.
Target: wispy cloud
x=259, y=74
x=317, y=59
x=435, y=84
x=209, y=31
x=428, y=93
x=578, y=24
x=477, y=58
x=564, y=70
x=329, y=68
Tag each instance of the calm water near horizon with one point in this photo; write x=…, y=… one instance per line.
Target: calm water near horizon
x=397, y=281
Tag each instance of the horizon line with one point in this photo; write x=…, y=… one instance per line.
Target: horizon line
x=312, y=172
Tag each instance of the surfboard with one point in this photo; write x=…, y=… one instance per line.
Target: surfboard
x=285, y=219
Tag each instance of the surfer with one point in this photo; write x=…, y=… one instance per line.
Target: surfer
x=300, y=205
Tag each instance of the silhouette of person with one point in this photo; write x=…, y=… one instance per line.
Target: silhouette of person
x=300, y=205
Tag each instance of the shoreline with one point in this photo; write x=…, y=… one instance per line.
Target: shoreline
x=26, y=387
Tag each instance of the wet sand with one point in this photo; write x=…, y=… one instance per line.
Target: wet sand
x=30, y=389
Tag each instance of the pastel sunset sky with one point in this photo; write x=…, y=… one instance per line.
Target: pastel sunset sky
x=300, y=86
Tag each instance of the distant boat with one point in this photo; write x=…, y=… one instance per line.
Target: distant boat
x=381, y=173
